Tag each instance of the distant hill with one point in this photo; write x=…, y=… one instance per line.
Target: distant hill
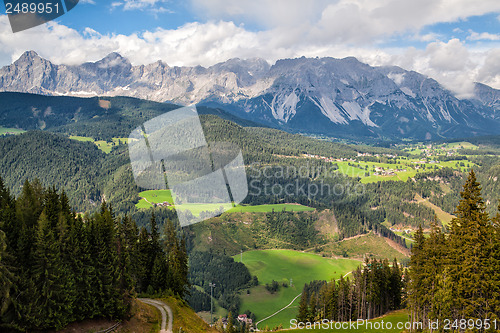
x=99, y=118
x=334, y=97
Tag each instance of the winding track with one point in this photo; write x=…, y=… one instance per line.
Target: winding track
x=164, y=308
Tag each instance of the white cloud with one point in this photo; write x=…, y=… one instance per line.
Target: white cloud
x=345, y=21
x=322, y=28
x=489, y=73
x=92, y=2
x=482, y=36
x=138, y=4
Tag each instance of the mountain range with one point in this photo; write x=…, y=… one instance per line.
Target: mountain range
x=327, y=96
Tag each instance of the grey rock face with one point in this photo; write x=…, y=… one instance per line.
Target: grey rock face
x=320, y=95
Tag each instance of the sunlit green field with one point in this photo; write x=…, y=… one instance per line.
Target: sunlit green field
x=101, y=144
x=271, y=208
x=5, y=130
x=148, y=198
x=365, y=170
x=281, y=266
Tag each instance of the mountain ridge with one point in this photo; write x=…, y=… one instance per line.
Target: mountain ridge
x=334, y=97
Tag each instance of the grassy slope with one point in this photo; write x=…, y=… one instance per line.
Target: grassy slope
x=357, y=169
x=185, y=319
x=159, y=196
x=443, y=216
x=281, y=266
x=144, y=319
x=234, y=232
x=101, y=144
x=5, y=130
x=359, y=246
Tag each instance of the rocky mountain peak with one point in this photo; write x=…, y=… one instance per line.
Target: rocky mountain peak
x=308, y=95
x=28, y=57
x=113, y=59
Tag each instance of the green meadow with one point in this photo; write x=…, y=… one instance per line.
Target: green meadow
x=281, y=266
x=148, y=198
x=365, y=170
x=105, y=146
x=6, y=131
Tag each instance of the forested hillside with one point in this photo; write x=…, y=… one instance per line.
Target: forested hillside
x=453, y=277
x=371, y=292
x=309, y=169
x=58, y=267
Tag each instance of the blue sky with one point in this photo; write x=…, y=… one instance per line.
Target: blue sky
x=456, y=42
x=108, y=17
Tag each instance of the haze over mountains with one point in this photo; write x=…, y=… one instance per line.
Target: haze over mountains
x=336, y=97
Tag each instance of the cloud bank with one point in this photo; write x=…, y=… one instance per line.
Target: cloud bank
x=368, y=30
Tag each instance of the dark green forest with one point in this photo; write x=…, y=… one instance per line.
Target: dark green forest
x=134, y=251
x=371, y=292
x=454, y=277
x=58, y=267
x=228, y=275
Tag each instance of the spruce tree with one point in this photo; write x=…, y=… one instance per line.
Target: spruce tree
x=125, y=281
x=49, y=299
x=303, y=307
x=312, y=307
x=159, y=274
x=143, y=261
x=8, y=240
x=83, y=269
x=6, y=276
x=471, y=252
x=395, y=286
x=435, y=251
x=416, y=293
x=230, y=324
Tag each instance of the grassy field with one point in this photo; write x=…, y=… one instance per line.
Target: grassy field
x=101, y=144
x=270, y=208
x=443, y=216
x=185, y=319
x=159, y=196
x=365, y=170
x=394, y=318
x=281, y=266
x=5, y=131
x=406, y=237
x=365, y=245
x=460, y=145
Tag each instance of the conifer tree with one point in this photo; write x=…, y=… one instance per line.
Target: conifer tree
x=416, y=284
x=303, y=307
x=125, y=280
x=159, y=274
x=6, y=276
x=84, y=270
x=230, y=324
x=471, y=249
x=395, y=286
x=7, y=224
x=177, y=260
x=312, y=307
x=143, y=261
x=48, y=275
x=435, y=256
